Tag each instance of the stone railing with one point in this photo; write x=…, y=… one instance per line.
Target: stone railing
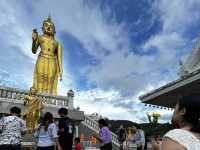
x=17, y=94
x=93, y=125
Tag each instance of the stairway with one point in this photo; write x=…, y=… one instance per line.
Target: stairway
x=93, y=128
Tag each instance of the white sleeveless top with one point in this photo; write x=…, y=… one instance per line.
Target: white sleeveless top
x=185, y=138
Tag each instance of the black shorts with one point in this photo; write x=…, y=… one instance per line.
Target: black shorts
x=139, y=148
x=10, y=147
x=66, y=143
x=107, y=146
x=46, y=148
x=66, y=146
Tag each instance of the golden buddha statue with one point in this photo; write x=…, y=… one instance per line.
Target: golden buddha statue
x=33, y=107
x=49, y=62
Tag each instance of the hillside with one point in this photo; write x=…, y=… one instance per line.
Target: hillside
x=159, y=129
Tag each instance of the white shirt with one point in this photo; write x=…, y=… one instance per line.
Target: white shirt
x=140, y=137
x=47, y=138
x=11, y=128
x=184, y=138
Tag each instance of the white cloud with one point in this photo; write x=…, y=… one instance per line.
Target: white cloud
x=108, y=104
x=165, y=116
x=13, y=32
x=122, y=70
x=174, y=41
x=177, y=15
x=114, y=106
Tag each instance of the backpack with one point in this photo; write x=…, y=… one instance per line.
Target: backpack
x=68, y=126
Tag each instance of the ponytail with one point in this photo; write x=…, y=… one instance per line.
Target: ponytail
x=46, y=125
x=47, y=120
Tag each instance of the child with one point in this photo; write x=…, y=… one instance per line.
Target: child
x=77, y=143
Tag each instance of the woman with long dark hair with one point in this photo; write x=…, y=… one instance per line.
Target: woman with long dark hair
x=47, y=138
x=186, y=119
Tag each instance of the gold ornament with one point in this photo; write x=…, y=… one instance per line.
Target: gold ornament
x=33, y=107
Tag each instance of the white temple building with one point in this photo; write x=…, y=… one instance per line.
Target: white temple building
x=188, y=82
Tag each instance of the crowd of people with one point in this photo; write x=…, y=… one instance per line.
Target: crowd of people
x=51, y=136
x=184, y=136
x=137, y=138
x=48, y=135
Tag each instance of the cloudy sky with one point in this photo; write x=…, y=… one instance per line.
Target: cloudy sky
x=113, y=50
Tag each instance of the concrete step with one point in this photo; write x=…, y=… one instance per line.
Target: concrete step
x=28, y=138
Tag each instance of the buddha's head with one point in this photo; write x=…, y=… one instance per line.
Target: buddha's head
x=33, y=91
x=48, y=27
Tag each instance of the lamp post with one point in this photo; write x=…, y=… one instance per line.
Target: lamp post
x=153, y=118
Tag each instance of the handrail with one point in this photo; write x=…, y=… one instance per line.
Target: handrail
x=92, y=124
x=18, y=94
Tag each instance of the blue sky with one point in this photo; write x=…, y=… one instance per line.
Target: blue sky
x=113, y=51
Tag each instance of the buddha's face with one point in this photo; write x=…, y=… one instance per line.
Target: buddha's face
x=33, y=91
x=48, y=28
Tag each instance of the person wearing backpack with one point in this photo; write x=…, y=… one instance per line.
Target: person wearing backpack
x=65, y=130
x=47, y=134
